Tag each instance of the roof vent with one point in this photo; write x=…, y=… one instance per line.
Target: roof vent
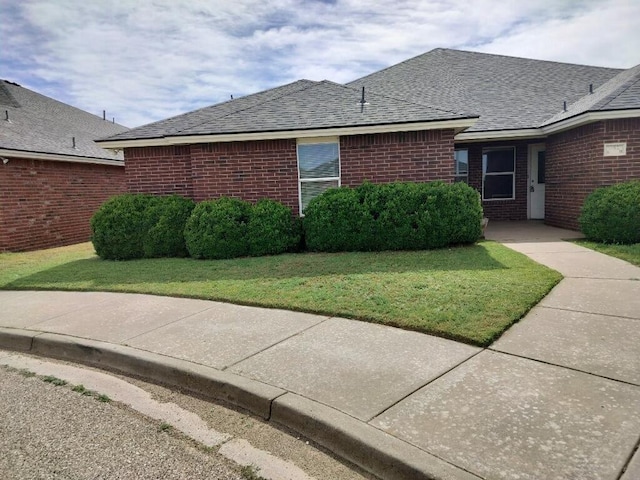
x=591, y=88
x=6, y=116
x=73, y=141
x=362, y=102
x=564, y=106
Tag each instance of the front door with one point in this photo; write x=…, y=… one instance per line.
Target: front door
x=536, y=181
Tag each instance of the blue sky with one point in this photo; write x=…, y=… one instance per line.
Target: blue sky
x=145, y=60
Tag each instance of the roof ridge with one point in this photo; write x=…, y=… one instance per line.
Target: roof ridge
x=626, y=85
x=9, y=100
x=529, y=59
x=442, y=49
x=600, y=97
x=63, y=104
x=206, y=107
x=405, y=100
x=313, y=84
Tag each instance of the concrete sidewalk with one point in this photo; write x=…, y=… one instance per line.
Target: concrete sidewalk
x=557, y=397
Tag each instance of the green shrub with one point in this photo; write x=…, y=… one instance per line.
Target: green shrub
x=167, y=219
x=397, y=216
x=119, y=226
x=337, y=221
x=271, y=229
x=612, y=214
x=218, y=229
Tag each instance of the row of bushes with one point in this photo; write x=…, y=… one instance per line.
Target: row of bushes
x=395, y=216
x=399, y=216
x=612, y=214
x=145, y=226
x=141, y=226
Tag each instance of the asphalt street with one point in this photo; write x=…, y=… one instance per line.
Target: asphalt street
x=144, y=431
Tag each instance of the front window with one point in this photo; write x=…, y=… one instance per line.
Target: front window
x=318, y=168
x=498, y=173
x=461, y=158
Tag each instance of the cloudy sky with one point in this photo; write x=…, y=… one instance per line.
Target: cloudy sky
x=145, y=60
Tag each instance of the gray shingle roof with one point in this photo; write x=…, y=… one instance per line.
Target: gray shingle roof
x=507, y=92
x=622, y=92
x=175, y=125
x=298, y=106
x=44, y=125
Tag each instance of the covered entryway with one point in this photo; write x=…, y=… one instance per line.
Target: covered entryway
x=536, y=179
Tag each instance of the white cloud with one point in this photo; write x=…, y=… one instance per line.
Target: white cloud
x=145, y=60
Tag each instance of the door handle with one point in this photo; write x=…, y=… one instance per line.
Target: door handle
x=532, y=188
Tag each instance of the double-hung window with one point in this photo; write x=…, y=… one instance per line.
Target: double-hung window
x=318, y=167
x=498, y=173
x=461, y=158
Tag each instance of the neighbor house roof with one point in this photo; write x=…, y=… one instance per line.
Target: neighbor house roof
x=302, y=106
x=35, y=126
x=507, y=92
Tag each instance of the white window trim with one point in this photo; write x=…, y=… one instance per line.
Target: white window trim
x=457, y=174
x=316, y=140
x=513, y=173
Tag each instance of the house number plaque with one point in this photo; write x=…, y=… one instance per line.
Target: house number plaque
x=615, y=149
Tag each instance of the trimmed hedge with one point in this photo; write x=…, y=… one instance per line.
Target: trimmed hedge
x=337, y=221
x=165, y=237
x=119, y=226
x=271, y=229
x=218, y=229
x=133, y=226
x=612, y=214
x=396, y=216
x=229, y=228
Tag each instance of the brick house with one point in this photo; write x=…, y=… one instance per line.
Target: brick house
x=52, y=175
x=533, y=137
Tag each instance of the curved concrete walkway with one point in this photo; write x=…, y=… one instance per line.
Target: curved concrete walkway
x=557, y=397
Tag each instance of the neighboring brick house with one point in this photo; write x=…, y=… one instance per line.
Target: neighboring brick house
x=533, y=137
x=52, y=175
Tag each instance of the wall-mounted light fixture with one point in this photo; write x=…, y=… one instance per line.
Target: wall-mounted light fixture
x=4, y=160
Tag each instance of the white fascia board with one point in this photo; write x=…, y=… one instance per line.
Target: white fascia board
x=294, y=134
x=56, y=157
x=589, y=117
x=569, y=123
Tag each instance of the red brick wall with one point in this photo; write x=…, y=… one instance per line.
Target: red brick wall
x=576, y=165
x=406, y=156
x=501, y=209
x=49, y=203
x=247, y=170
x=268, y=168
x=159, y=170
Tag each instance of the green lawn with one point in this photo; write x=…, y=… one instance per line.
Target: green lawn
x=630, y=253
x=470, y=293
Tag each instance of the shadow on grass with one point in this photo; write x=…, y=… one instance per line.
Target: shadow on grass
x=99, y=272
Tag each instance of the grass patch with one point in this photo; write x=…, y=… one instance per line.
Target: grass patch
x=58, y=382
x=470, y=293
x=250, y=472
x=165, y=427
x=629, y=253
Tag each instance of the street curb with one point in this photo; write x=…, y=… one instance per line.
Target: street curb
x=249, y=394
x=362, y=444
x=374, y=450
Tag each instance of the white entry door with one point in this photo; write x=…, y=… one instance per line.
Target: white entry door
x=536, y=181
